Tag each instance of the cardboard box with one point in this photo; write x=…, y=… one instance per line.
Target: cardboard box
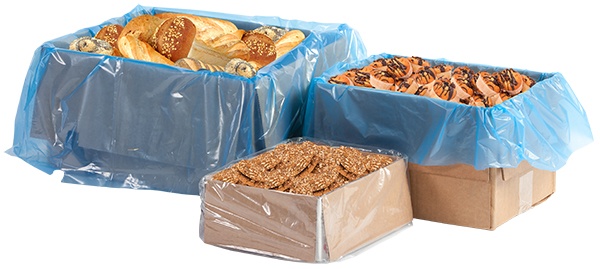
x=118, y=122
x=304, y=227
x=484, y=199
x=468, y=165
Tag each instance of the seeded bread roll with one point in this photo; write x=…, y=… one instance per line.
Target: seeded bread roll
x=174, y=38
x=262, y=48
x=91, y=45
x=110, y=33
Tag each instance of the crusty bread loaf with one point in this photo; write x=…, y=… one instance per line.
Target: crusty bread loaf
x=132, y=47
x=142, y=27
x=288, y=41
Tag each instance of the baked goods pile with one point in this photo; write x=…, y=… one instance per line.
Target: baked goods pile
x=414, y=75
x=192, y=42
x=304, y=168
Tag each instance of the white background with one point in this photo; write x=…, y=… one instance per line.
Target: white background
x=48, y=224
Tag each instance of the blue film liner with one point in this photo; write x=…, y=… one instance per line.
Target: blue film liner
x=117, y=122
x=542, y=126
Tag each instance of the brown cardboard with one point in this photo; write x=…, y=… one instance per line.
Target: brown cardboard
x=307, y=228
x=484, y=199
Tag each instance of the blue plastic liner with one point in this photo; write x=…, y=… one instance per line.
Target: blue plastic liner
x=118, y=122
x=542, y=126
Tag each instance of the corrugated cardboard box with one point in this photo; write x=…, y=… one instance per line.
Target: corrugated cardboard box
x=468, y=165
x=304, y=227
x=484, y=199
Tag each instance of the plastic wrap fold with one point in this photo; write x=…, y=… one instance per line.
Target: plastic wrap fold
x=334, y=226
x=543, y=126
x=118, y=122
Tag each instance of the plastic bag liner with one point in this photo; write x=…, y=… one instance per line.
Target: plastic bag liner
x=118, y=122
x=542, y=126
x=337, y=225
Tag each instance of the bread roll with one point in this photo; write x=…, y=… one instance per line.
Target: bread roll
x=110, y=33
x=132, y=47
x=262, y=48
x=174, y=38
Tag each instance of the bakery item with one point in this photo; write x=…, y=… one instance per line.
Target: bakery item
x=273, y=32
x=174, y=38
x=288, y=41
x=424, y=75
x=401, y=67
x=418, y=63
x=341, y=79
x=381, y=79
x=487, y=83
x=444, y=89
x=195, y=65
x=110, y=33
x=206, y=28
x=442, y=70
x=240, y=67
x=510, y=81
x=91, y=45
x=132, y=47
x=464, y=78
x=262, y=48
x=408, y=85
x=142, y=27
x=528, y=82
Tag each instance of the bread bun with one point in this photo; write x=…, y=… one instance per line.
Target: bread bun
x=174, y=38
x=110, y=33
x=262, y=48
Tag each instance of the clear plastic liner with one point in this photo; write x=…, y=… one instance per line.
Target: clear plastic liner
x=543, y=126
x=118, y=122
x=316, y=229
